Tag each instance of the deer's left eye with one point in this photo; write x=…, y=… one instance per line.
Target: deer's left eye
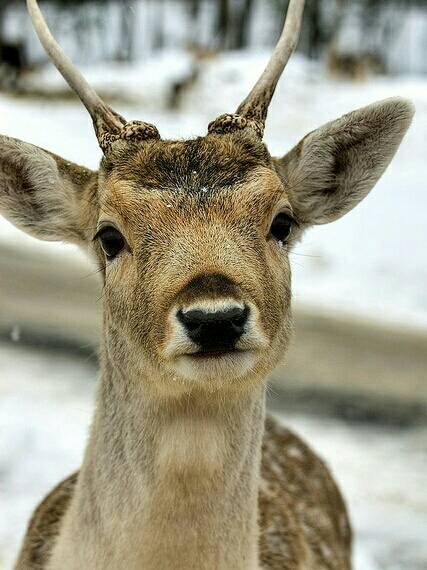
x=112, y=241
x=281, y=227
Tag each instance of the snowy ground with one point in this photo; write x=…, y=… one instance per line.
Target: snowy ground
x=43, y=428
x=372, y=262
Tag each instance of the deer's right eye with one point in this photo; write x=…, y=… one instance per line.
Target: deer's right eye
x=112, y=241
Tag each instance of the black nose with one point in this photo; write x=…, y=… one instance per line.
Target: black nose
x=215, y=331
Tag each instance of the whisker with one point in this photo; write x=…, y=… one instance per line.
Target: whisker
x=92, y=273
x=305, y=255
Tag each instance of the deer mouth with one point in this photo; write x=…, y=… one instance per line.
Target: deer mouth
x=208, y=354
x=221, y=365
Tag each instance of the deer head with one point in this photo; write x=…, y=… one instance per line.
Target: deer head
x=193, y=236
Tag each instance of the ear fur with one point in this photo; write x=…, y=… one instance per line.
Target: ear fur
x=41, y=193
x=334, y=167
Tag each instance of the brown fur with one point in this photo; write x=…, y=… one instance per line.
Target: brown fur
x=300, y=510
x=45, y=524
x=171, y=474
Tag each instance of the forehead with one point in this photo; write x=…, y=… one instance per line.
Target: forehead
x=193, y=166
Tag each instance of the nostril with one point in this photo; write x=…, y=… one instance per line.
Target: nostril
x=240, y=319
x=192, y=320
x=191, y=325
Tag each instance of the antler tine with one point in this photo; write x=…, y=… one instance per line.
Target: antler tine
x=71, y=74
x=255, y=106
x=109, y=125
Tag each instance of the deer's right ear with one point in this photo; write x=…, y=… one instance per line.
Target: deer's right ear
x=44, y=195
x=333, y=168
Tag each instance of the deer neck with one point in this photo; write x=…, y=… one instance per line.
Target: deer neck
x=167, y=484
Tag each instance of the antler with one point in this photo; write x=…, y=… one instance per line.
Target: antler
x=253, y=111
x=109, y=125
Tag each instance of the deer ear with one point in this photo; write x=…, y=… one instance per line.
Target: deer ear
x=41, y=193
x=333, y=168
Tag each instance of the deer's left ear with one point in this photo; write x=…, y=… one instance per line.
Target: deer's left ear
x=333, y=168
x=43, y=194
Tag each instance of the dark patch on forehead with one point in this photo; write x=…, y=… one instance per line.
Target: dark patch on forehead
x=199, y=165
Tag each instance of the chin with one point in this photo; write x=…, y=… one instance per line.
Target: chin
x=214, y=371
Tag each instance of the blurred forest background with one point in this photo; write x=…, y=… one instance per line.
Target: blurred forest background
x=353, y=38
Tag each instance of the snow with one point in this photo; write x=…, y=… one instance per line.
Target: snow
x=43, y=430
x=145, y=83
x=372, y=263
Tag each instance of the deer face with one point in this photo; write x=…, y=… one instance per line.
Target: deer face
x=194, y=239
x=193, y=236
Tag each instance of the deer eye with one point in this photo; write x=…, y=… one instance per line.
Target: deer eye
x=281, y=227
x=111, y=240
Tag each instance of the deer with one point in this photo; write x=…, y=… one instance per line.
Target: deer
x=183, y=468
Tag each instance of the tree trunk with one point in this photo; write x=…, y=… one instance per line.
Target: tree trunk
x=194, y=6
x=337, y=18
x=127, y=31
x=4, y=5
x=314, y=29
x=243, y=23
x=2, y=18
x=222, y=23
x=158, y=25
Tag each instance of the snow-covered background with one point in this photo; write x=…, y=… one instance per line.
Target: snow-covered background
x=371, y=263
